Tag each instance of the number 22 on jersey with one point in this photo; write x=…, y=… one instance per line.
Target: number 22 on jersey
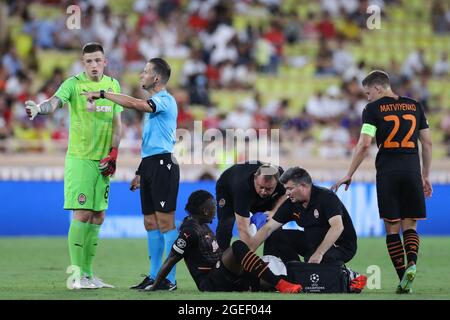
x=405, y=143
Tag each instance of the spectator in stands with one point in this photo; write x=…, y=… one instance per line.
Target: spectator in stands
x=280, y=114
x=394, y=74
x=11, y=61
x=292, y=28
x=348, y=29
x=87, y=33
x=238, y=119
x=414, y=64
x=310, y=30
x=342, y=58
x=263, y=53
x=336, y=104
x=360, y=15
x=315, y=106
x=324, y=59
x=3, y=78
x=445, y=126
x=5, y=119
x=223, y=57
x=116, y=59
x=260, y=119
x=276, y=38
x=193, y=66
x=194, y=80
x=356, y=71
x=420, y=88
x=326, y=27
x=334, y=141
x=106, y=28
x=441, y=67
x=440, y=17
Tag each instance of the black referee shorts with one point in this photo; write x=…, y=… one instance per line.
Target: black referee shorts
x=160, y=180
x=400, y=196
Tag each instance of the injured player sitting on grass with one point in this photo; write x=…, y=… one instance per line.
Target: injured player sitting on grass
x=236, y=269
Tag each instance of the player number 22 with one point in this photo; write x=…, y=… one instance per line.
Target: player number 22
x=405, y=142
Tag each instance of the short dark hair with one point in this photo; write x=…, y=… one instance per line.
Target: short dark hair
x=376, y=77
x=268, y=171
x=297, y=175
x=93, y=47
x=197, y=201
x=161, y=67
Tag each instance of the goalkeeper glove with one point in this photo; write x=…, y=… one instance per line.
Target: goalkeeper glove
x=108, y=165
x=258, y=219
x=32, y=109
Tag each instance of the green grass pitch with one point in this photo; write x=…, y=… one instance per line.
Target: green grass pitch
x=34, y=268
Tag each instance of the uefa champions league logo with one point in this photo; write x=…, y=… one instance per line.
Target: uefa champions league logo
x=314, y=278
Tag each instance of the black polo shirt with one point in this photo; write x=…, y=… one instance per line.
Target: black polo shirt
x=236, y=185
x=323, y=205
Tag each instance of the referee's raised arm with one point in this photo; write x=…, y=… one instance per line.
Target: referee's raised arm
x=121, y=99
x=150, y=80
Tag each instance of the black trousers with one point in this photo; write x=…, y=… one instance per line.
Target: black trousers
x=288, y=245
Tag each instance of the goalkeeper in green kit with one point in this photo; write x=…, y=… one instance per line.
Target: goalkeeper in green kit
x=94, y=136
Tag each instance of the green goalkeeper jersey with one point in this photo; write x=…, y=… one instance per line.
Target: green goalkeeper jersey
x=90, y=133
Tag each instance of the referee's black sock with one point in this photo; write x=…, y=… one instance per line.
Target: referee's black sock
x=396, y=252
x=252, y=263
x=412, y=242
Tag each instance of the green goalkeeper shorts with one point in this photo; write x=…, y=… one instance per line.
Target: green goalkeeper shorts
x=84, y=186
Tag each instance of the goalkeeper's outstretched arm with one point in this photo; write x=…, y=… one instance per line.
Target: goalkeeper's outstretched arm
x=47, y=107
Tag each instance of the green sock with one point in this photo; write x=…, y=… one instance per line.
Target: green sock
x=76, y=240
x=91, y=241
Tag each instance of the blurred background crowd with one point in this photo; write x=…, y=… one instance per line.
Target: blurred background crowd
x=293, y=65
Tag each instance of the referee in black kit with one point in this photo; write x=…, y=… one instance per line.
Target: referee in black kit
x=244, y=188
x=158, y=175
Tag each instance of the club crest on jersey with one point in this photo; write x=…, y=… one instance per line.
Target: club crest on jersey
x=222, y=203
x=181, y=243
x=316, y=214
x=82, y=199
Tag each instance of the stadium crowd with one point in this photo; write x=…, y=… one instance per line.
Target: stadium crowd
x=216, y=55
